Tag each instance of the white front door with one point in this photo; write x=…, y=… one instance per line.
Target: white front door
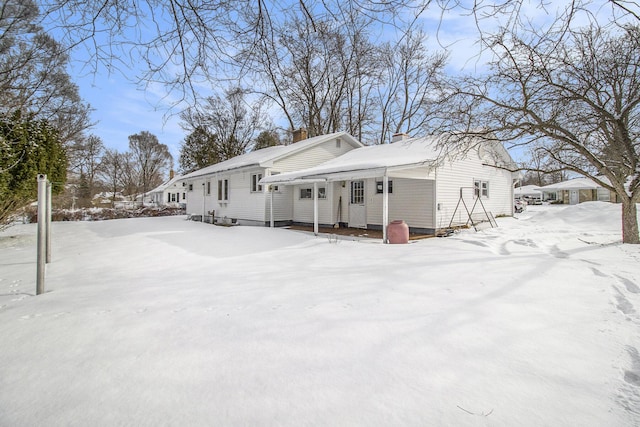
x=357, y=206
x=574, y=197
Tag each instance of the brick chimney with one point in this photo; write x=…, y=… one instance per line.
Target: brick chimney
x=171, y=174
x=399, y=137
x=299, y=135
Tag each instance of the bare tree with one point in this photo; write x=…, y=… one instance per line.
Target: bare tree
x=150, y=160
x=574, y=96
x=111, y=170
x=85, y=159
x=202, y=36
x=412, y=87
x=231, y=122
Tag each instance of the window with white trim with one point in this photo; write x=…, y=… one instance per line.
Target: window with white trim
x=481, y=188
x=190, y=187
x=208, y=188
x=256, y=187
x=223, y=190
x=307, y=193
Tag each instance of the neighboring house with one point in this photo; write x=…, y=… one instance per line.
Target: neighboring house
x=578, y=190
x=231, y=190
x=530, y=193
x=424, y=186
x=172, y=193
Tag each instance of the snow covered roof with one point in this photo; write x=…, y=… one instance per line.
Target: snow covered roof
x=575, y=184
x=527, y=190
x=370, y=160
x=270, y=154
x=160, y=188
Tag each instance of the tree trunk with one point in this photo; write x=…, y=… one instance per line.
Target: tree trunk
x=630, y=222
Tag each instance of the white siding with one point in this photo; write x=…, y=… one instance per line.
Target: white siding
x=411, y=201
x=451, y=176
x=242, y=204
x=282, y=204
x=312, y=156
x=303, y=208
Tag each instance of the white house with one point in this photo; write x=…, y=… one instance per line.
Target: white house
x=231, y=190
x=170, y=193
x=412, y=179
x=578, y=190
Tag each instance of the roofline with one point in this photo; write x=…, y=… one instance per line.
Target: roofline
x=350, y=173
x=321, y=138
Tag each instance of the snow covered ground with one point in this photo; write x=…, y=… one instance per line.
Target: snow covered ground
x=162, y=321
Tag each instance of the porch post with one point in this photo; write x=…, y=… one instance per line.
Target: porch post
x=315, y=208
x=271, y=222
x=385, y=206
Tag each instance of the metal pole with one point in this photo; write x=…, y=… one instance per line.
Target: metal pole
x=271, y=221
x=42, y=224
x=204, y=201
x=48, y=219
x=315, y=208
x=385, y=207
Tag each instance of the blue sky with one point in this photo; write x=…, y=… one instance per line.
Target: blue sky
x=122, y=108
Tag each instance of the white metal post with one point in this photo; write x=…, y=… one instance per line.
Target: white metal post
x=204, y=200
x=271, y=221
x=48, y=219
x=385, y=207
x=41, y=240
x=315, y=208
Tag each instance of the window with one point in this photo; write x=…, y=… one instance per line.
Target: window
x=481, y=188
x=208, y=187
x=255, y=179
x=223, y=190
x=168, y=197
x=379, y=187
x=184, y=196
x=306, y=193
x=274, y=187
x=173, y=197
x=190, y=187
x=357, y=192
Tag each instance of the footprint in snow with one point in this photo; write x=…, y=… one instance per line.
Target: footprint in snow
x=556, y=252
x=623, y=304
x=632, y=376
x=526, y=242
x=598, y=272
x=631, y=287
